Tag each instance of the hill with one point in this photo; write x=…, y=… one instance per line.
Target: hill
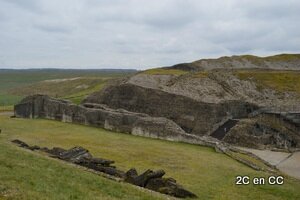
x=68, y=83
x=201, y=98
x=278, y=62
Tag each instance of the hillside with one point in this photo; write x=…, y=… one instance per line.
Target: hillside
x=278, y=62
x=31, y=175
x=68, y=83
x=74, y=89
x=201, y=98
x=209, y=110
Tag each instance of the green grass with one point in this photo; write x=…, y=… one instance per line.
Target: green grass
x=161, y=71
x=72, y=89
x=15, y=84
x=283, y=57
x=209, y=174
x=79, y=96
x=6, y=108
x=280, y=81
x=9, y=99
x=201, y=74
x=275, y=58
x=25, y=175
x=250, y=159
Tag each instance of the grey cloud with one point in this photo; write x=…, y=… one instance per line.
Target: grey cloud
x=142, y=33
x=53, y=28
x=30, y=5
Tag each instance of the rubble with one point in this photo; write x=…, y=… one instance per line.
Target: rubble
x=152, y=180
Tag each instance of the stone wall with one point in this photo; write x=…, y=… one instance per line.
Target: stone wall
x=265, y=131
x=197, y=118
x=119, y=120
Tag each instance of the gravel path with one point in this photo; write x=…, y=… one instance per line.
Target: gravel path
x=286, y=162
x=291, y=166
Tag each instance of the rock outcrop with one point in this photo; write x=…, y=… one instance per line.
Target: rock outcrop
x=265, y=131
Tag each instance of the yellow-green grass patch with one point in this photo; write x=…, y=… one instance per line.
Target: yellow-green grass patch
x=6, y=108
x=27, y=175
x=280, y=81
x=161, y=71
x=200, y=169
x=201, y=74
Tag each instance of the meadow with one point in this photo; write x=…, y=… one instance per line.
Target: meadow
x=31, y=175
x=15, y=84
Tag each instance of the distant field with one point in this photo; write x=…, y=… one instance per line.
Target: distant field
x=29, y=175
x=15, y=84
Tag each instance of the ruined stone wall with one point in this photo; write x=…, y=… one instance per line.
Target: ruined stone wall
x=40, y=106
x=265, y=131
x=194, y=117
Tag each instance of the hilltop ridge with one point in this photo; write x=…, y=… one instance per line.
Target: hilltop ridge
x=278, y=62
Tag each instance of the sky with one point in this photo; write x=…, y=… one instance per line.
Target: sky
x=142, y=34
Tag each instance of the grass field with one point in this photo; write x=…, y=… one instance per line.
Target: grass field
x=27, y=175
x=74, y=89
x=15, y=84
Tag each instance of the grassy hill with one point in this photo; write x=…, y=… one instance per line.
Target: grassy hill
x=29, y=175
x=74, y=89
x=73, y=84
x=280, y=81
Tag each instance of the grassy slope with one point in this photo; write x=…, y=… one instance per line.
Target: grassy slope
x=161, y=71
x=280, y=57
x=25, y=175
x=15, y=84
x=210, y=175
x=73, y=89
x=280, y=81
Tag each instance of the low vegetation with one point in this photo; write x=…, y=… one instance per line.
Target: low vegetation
x=6, y=108
x=283, y=57
x=201, y=74
x=73, y=84
x=74, y=89
x=280, y=81
x=27, y=175
x=162, y=71
x=276, y=58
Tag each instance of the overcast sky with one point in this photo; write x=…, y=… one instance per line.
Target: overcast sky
x=142, y=33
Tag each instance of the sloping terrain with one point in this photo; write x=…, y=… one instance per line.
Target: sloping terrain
x=27, y=175
x=201, y=96
x=73, y=84
x=74, y=89
x=278, y=62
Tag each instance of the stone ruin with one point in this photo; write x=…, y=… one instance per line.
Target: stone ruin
x=152, y=180
x=99, y=115
x=120, y=120
x=245, y=131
